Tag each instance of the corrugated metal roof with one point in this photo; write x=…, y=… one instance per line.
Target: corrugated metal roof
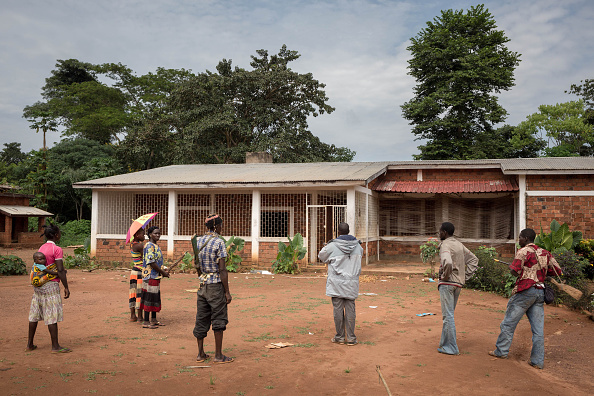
x=246, y=174
x=447, y=186
x=508, y=165
x=319, y=172
x=18, y=210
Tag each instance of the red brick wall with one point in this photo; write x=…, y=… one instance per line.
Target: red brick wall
x=9, y=200
x=560, y=182
x=578, y=212
x=410, y=251
x=371, y=250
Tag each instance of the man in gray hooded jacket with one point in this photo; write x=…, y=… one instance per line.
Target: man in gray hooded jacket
x=343, y=256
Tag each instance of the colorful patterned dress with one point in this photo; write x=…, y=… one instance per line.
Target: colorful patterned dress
x=135, y=279
x=151, y=279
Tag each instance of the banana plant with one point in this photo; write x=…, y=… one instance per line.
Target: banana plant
x=289, y=255
x=560, y=237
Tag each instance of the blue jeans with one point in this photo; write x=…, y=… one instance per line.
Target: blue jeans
x=529, y=302
x=449, y=298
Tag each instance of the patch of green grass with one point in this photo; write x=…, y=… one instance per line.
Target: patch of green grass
x=262, y=337
x=212, y=379
x=367, y=342
x=571, y=350
x=308, y=345
x=379, y=323
x=421, y=365
x=348, y=370
x=269, y=387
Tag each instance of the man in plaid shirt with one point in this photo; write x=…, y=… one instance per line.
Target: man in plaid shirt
x=213, y=294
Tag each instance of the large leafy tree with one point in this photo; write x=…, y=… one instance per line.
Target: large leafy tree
x=459, y=61
x=565, y=127
x=217, y=117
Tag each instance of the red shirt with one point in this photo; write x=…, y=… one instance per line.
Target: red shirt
x=533, y=264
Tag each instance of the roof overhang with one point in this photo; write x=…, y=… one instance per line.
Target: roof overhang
x=447, y=186
x=23, y=211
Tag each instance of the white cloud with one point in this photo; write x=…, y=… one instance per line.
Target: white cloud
x=357, y=48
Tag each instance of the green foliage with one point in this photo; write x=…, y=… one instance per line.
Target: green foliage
x=187, y=262
x=12, y=154
x=490, y=274
x=459, y=60
x=75, y=232
x=12, y=265
x=234, y=245
x=81, y=258
x=559, y=238
x=566, y=127
x=586, y=249
x=429, y=250
x=572, y=267
x=288, y=256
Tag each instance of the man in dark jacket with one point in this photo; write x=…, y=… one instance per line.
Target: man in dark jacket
x=343, y=256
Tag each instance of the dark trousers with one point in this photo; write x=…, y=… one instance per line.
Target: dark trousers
x=211, y=309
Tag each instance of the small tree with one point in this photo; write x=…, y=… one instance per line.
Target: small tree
x=429, y=251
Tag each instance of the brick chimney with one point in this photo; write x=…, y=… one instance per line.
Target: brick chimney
x=258, y=157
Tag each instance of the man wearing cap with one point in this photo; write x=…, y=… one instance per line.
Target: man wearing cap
x=213, y=293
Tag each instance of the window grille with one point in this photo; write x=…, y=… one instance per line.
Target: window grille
x=118, y=209
x=236, y=212
x=473, y=218
x=372, y=220
x=282, y=215
x=192, y=209
x=360, y=215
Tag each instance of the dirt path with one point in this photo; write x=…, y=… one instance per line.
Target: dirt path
x=114, y=356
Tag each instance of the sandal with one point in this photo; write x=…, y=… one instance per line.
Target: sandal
x=226, y=359
x=62, y=350
x=157, y=324
x=33, y=347
x=201, y=360
x=150, y=326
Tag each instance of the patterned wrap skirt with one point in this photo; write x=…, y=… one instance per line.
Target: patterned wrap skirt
x=151, y=296
x=46, y=304
x=135, y=287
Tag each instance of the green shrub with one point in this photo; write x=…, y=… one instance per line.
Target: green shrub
x=429, y=251
x=490, y=274
x=288, y=255
x=233, y=260
x=187, y=262
x=81, y=258
x=12, y=265
x=75, y=232
x=586, y=249
x=573, y=266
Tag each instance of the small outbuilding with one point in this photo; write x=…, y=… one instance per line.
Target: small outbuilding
x=392, y=207
x=15, y=213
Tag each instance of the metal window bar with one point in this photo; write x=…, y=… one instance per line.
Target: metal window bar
x=117, y=210
x=282, y=215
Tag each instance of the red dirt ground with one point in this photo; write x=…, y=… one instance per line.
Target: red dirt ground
x=114, y=356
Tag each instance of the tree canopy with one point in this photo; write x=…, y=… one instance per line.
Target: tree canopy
x=178, y=117
x=459, y=61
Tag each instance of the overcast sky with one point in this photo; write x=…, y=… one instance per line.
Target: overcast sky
x=357, y=48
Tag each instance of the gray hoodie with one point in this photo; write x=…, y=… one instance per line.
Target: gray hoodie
x=343, y=256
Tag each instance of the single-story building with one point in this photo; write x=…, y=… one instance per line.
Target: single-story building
x=392, y=207
x=14, y=219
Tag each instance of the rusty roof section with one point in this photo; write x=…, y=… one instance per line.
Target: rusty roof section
x=446, y=186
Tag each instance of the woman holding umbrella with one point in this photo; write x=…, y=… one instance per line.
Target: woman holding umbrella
x=136, y=247
x=152, y=272
x=135, y=238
